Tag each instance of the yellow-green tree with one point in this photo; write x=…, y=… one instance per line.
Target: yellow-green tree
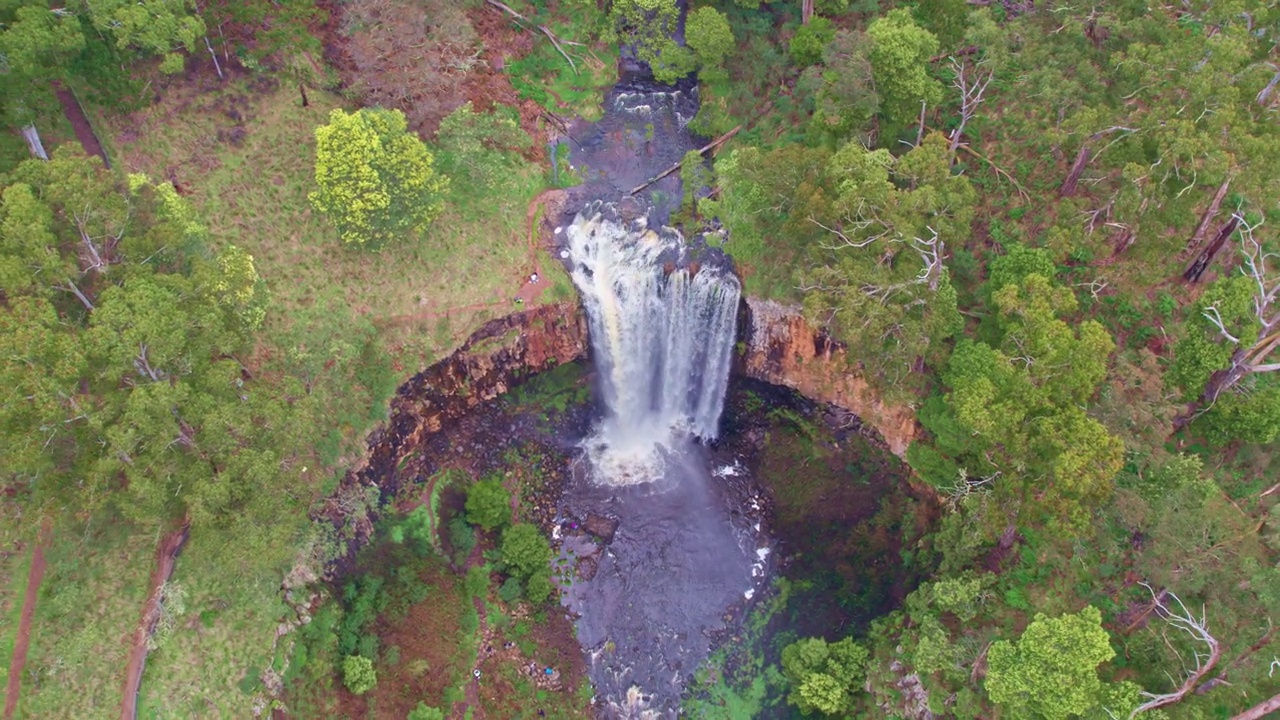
x=377, y=182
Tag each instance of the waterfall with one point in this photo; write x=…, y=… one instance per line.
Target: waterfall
x=662, y=335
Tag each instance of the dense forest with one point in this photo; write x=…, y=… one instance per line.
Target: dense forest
x=229, y=229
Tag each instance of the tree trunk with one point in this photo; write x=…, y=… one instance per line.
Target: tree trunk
x=32, y=136
x=1260, y=710
x=216, y=65
x=303, y=89
x=1077, y=169
x=71, y=286
x=806, y=11
x=1223, y=380
x=1196, y=269
x=1209, y=214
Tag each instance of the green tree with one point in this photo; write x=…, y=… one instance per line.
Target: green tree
x=900, y=52
x=489, y=504
x=525, y=551
x=878, y=275
x=809, y=42
x=1051, y=670
x=824, y=676
x=526, y=555
x=480, y=152
x=708, y=35
x=376, y=181
x=358, y=674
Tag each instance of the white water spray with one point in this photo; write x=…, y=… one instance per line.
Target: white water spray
x=662, y=337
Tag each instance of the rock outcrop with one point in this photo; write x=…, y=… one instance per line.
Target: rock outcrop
x=779, y=346
x=492, y=360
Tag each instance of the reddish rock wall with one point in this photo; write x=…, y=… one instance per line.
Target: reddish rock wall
x=780, y=347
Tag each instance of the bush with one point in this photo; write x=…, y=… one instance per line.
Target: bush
x=480, y=151
x=414, y=529
x=810, y=41
x=358, y=674
x=538, y=587
x=489, y=504
x=422, y=712
x=510, y=590
x=462, y=538
x=477, y=582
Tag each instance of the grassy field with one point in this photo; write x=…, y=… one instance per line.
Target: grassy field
x=209, y=663
x=244, y=154
x=90, y=602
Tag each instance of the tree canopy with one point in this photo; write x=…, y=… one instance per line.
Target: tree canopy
x=376, y=181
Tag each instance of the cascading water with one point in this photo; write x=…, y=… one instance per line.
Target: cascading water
x=651, y=601
x=662, y=337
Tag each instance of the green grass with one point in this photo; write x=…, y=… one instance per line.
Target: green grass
x=227, y=631
x=89, y=605
x=250, y=179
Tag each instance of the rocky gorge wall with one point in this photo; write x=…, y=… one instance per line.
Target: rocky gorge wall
x=779, y=346
x=775, y=345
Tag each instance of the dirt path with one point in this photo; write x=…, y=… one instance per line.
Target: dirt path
x=166, y=554
x=80, y=123
x=19, y=659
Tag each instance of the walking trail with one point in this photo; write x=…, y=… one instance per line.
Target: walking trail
x=166, y=554
x=23, y=640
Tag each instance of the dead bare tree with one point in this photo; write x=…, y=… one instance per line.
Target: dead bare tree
x=1261, y=710
x=1209, y=214
x=1202, y=661
x=1083, y=157
x=1266, y=279
x=1196, y=269
x=1264, y=95
x=971, y=81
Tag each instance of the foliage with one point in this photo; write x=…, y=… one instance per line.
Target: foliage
x=478, y=152
x=809, y=42
x=823, y=676
x=376, y=182
x=1051, y=670
x=358, y=674
x=526, y=554
x=423, y=712
x=1017, y=405
x=489, y=504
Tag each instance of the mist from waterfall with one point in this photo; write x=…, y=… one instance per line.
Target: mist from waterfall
x=662, y=335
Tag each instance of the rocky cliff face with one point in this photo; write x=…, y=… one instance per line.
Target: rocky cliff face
x=777, y=346
x=497, y=356
x=492, y=360
x=780, y=347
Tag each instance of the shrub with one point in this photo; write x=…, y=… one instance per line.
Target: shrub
x=422, y=712
x=810, y=40
x=489, y=504
x=358, y=674
x=510, y=590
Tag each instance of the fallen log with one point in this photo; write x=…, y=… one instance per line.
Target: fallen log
x=701, y=151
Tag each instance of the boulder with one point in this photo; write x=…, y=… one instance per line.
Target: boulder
x=601, y=526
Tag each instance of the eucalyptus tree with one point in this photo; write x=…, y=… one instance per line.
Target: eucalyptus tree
x=878, y=275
